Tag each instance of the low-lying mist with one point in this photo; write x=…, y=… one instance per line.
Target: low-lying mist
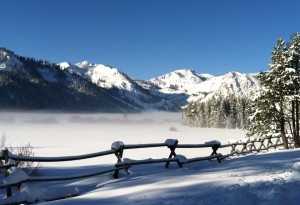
x=61, y=134
x=55, y=118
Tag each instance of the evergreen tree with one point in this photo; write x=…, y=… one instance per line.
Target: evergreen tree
x=218, y=112
x=277, y=104
x=268, y=107
x=292, y=64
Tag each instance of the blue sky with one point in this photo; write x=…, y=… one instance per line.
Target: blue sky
x=148, y=38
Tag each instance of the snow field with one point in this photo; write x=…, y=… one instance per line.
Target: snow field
x=271, y=178
x=74, y=134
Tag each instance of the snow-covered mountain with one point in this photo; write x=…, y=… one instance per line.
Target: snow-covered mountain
x=179, y=81
x=121, y=86
x=204, y=86
x=167, y=92
x=29, y=84
x=232, y=83
x=103, y=76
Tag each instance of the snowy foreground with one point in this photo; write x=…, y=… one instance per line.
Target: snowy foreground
x=271, y=178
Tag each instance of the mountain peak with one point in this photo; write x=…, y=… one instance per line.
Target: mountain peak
x=233, y=73
x=85, y=64
x=184, y=70
x=65, y=65
x=179, y=81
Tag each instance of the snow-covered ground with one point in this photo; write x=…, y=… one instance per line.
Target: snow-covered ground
x=271, y=178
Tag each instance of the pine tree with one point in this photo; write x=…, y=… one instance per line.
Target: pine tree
x=219, y=112
x=292, y=64
x=275, y=83
x=215, y=116
x=277, y=105
x=268, y=106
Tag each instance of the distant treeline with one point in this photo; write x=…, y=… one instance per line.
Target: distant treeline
x=217, y=112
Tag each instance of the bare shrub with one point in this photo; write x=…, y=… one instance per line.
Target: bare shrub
x=3, y=141
x=24, y=150
x=172, y=128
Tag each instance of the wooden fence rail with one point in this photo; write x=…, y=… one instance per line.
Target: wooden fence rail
x=249, y=146
x=60, y=159
x=117, y=148
x=172, y=144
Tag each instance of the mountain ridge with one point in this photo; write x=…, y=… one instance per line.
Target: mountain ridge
x=167, y=92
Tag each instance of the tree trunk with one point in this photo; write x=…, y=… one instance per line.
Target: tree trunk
x=290, y=126
x=295, y=137
x=297, y=121
x=282, y=133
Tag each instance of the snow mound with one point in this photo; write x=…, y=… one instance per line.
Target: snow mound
x=33, y=194
x=213, y=143
x=171, y=142
x=182, y=159
x=16, y=175
x=117, y=145
x=295, y=173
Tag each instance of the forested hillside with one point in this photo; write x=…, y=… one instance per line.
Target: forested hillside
x=218, y=112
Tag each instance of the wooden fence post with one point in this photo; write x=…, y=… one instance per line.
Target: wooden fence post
x=215, y=147
x=5, y=153
x=172, y=148
x=119, y=149
x=252, y=145
x=263, y=145
x=244, y=147
x=270, y=143
x=233, y=148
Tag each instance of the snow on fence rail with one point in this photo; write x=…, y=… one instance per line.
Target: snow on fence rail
x=14, y=176
x=60, y=159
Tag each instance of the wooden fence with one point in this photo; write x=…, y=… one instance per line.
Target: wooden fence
x=7, y=159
